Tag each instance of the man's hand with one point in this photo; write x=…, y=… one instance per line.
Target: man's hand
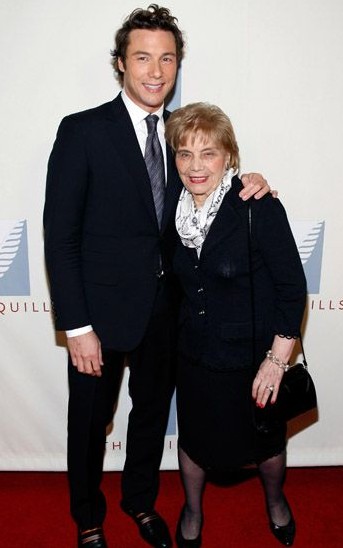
x=255, y=185
x=85, y=352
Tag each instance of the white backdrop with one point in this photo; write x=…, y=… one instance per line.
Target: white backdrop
x=275, y=66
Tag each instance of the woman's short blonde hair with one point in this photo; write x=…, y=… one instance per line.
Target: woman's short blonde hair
x=207, y=120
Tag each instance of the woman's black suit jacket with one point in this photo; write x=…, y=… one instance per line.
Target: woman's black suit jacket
x=216, y=320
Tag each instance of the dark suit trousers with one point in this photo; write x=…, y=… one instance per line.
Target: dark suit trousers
x=91, y=404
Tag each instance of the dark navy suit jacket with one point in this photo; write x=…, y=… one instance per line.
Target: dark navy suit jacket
x=218, y=327
x=102, y=241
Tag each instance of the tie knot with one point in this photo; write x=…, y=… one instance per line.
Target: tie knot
x=151, y=122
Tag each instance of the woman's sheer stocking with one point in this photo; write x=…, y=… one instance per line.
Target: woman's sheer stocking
x=193, y=480
x=272, y=472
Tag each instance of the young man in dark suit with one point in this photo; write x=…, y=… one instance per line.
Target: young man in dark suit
x=109, y=234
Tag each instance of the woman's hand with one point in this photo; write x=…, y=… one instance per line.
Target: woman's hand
x=266, y=383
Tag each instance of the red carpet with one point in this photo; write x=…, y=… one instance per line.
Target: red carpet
x=34, y=511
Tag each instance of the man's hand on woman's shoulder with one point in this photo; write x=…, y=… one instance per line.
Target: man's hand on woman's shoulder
x=255, y=185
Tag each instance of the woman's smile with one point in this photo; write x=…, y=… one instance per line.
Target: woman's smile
x=201, y=163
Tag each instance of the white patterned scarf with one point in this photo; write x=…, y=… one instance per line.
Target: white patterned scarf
x=193, y=224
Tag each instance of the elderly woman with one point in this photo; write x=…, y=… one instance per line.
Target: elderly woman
x=225, y=377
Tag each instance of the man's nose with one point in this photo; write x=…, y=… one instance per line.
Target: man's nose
x=155, y=69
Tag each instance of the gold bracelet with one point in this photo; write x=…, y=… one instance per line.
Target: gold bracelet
x=274, y=359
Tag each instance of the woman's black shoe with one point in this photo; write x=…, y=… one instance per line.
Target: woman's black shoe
x=183, y=542
x=284, y=533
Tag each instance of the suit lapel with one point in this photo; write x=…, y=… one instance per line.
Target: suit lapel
x=123, y=136
x=172, y=191
x=227, y=220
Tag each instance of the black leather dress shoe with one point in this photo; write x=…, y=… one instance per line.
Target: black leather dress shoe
x=92, y=538
x=182, y=542
x=152, y=528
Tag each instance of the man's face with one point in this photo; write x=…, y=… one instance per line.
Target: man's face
x=150, y=67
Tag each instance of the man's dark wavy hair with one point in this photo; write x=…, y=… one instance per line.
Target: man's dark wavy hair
x=152, y=18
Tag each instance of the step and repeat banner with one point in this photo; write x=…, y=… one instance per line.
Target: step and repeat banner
x=276, y=68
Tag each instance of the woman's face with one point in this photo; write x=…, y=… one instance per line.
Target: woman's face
x=201, y=165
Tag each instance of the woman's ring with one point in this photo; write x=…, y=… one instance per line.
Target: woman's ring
x=271, y=387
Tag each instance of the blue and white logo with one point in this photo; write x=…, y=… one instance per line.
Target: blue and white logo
x=175, y=99
x=309, y=237
x=172, y=422
x=14, y=263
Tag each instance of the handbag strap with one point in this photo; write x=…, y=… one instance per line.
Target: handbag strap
x=252, y=290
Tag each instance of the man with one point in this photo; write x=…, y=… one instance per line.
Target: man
x=111, y=195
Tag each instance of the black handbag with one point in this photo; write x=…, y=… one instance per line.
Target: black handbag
x=297, y=392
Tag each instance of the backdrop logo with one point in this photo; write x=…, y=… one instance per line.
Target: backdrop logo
x=309, y=237
x=172, y=423
x=175, y=99
x=14, y=263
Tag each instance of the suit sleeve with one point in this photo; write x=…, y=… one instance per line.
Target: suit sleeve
x=66, y=195
x=274, y=239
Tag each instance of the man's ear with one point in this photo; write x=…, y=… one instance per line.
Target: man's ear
x=121, y=64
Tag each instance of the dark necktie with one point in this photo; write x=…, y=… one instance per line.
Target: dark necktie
x=155, y=165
